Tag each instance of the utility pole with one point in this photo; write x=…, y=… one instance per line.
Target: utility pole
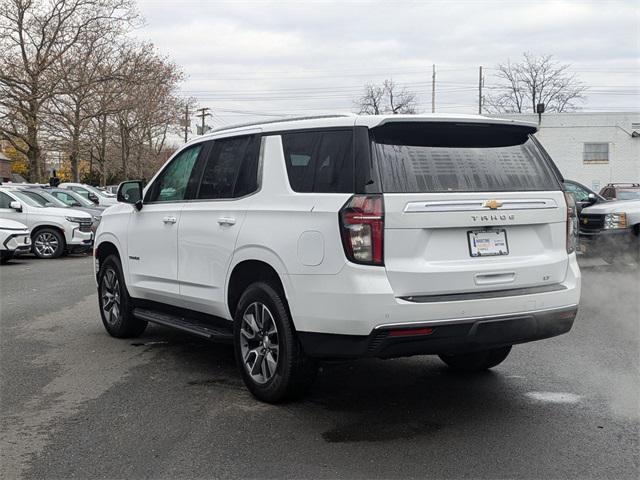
x=186, y=122
x=202, y=115
x=480, y=85
x=433, y=90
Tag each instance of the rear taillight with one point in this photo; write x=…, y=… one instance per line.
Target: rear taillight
x=362, y=229
x=572, y=223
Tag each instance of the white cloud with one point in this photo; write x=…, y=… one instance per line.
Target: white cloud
x=290, y=56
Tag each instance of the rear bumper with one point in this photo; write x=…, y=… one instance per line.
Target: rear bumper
x=360, y=299
x=451, y=336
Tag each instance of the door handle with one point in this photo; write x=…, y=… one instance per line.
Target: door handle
x=169, y=220
x=226, y=221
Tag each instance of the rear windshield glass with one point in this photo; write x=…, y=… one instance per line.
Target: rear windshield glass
x=629, y=195
x=449, y=157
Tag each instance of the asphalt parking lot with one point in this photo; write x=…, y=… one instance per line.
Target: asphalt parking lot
x=77, y=403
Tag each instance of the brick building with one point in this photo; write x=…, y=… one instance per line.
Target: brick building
x=5, y=168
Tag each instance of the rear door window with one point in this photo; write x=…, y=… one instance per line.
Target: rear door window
x=231, y=170
x=422, y=157
x=320, y=161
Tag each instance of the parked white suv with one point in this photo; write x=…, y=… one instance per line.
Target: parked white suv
x=14, y=239
x=97, y=196
x=54, y=231
x=346, y=237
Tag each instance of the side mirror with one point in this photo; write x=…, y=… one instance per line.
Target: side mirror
x=76, y=204
x=94, y=198
x=131, y=192
x=17, y=206
x=592, y=198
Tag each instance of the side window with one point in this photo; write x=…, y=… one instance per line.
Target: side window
x=607, y=193
x=232, y=168
x=171, y=184
x=5, y=200
x=579, y=194
x=81, y=191
x=36, y=198
x=65, y=197
x=320, y=162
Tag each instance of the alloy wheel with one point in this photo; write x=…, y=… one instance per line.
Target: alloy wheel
x=46, y=244
x=110, y=294
x=259, y=343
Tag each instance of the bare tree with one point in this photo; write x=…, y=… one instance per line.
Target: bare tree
x=89, y=64
x=371, y=102
x=535, y=79
x=386, y=98
x=35, y=35
x=150, y=107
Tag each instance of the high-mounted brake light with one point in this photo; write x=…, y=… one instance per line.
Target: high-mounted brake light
x=362, y=229
x=572, y=223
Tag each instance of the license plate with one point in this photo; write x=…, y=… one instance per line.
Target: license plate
x=487, y=243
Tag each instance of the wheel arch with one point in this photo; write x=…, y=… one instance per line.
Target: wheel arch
x=251, y=266
x=37, y=228
x=105, y=246
x=105, y=249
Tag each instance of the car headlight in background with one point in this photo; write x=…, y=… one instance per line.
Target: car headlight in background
x=76, y=219
x=96, y=218
x=615, y=220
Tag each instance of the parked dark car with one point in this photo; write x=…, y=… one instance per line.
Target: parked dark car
x=621, y=191
x=583, y=196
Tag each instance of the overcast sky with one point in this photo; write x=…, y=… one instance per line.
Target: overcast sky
x=244, y=58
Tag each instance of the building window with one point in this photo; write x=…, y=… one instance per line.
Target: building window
x=596, y=153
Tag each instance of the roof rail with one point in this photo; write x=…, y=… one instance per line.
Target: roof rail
x=623, y=184
x=279, y=120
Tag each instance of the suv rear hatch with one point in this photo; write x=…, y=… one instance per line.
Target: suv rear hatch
x=469, y=208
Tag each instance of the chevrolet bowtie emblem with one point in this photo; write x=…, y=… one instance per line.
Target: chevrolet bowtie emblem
x=492, y=204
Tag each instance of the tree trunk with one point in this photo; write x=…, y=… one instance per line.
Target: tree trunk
x=33, y=155
x=102, y=153
x=75, y=146
x=124, y=150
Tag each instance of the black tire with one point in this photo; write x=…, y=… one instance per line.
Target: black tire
x=116, y=309
x=48, y=243
x=635, y=244
x=476, y=361
x=294, y=372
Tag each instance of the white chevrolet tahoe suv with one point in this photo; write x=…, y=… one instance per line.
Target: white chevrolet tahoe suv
x=346, y=237
x=54, y=231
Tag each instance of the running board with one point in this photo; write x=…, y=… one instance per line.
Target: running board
x=195, y=327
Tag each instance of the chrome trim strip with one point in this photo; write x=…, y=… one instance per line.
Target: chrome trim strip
x=476, y=205
x=453, y=321
x=485, y=294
